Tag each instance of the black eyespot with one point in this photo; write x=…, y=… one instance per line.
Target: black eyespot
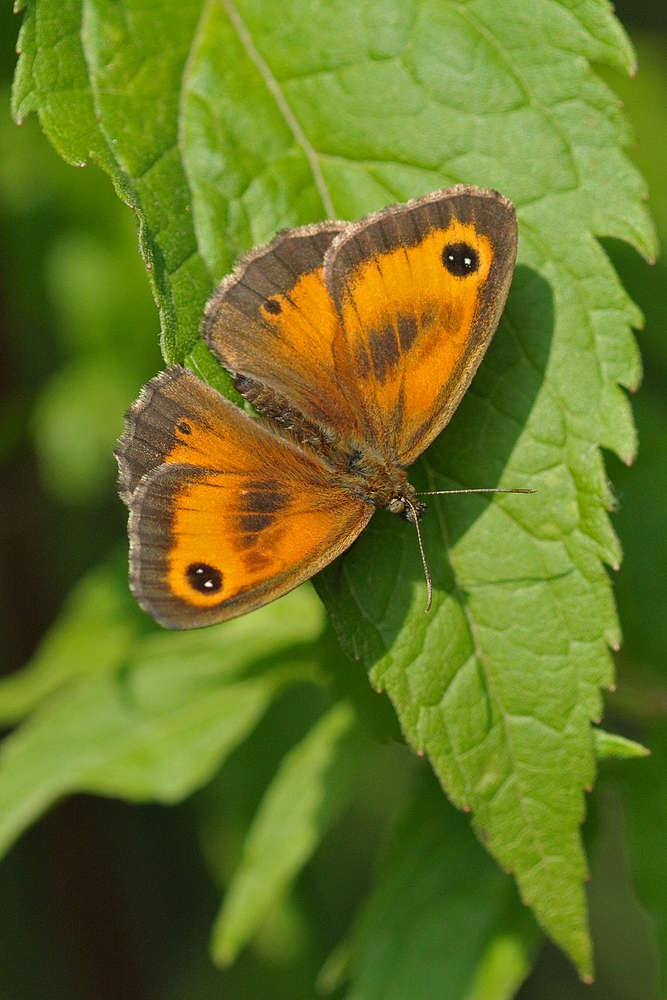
x=184, y=427
x=460, y=259
x=273, y=306
x=206, y=579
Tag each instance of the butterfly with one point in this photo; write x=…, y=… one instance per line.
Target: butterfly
x=354, y=343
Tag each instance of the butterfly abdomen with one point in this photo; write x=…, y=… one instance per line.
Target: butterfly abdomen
x=278, y=408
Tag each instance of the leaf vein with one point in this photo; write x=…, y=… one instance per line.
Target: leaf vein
x=274, y=87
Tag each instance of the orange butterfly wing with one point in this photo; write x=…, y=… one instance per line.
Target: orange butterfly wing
x=273, y=320
x=362, y=327
x=416, y=317
x=225, y=515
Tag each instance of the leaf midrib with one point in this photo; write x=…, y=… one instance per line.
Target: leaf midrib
x=275, y=89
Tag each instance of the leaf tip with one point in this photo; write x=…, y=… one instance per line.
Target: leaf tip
x=222, y=957
x=612, y=745
x=587, y=978
x=612, y=688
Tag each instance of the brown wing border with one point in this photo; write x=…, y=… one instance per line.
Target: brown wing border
x=244, y=262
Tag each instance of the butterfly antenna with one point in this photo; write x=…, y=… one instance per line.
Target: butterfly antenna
x=429, y=585
x=439, y=493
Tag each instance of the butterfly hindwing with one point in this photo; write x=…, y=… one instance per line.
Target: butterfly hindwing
x=225, y=515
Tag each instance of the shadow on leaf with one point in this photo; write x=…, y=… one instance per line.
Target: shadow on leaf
x=370, y=591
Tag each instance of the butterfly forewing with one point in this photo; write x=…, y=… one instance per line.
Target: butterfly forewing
x=274, y=321
x=420, y=289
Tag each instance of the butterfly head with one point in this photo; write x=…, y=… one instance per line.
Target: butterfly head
x=408, y=508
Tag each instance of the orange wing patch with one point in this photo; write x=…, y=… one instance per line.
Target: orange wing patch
x=234, y=535
x=227, y=515
x=408, y=323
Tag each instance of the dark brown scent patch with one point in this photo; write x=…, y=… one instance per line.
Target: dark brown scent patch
x=384, y=350
x=204, y=578
x=407, y=330
x=273, y=306
x=184, y=427
x=253, y=523
x=460, y=259
x=263, y=497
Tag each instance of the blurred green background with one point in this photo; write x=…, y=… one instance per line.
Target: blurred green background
x=101, y=900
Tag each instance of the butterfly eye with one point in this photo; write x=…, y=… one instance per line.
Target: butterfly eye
x=206, y=579
x=460, y=259
x=273, y=306
x=184, y=427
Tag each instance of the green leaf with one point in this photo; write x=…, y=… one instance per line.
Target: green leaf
x=52, y=79
x=117, y=105
x=497, y=685
x=613, y=745
x=305, y=796
x=91, y=738
x=136, y=51
x=291, y=112
x=172, y=667
x=435, y=878
x=160, y=728
x=250, y=168
x=94, y=633
x=503, y=968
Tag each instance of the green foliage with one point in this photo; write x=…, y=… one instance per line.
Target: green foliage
x=160, y=727
x=613, y=745
x=301, y=801
x=219, y=129
x=94, y=634
x=436, y=876
x=641, y=521
x=122, y=114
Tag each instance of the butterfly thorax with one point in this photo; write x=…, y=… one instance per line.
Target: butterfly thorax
x=376, y=479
